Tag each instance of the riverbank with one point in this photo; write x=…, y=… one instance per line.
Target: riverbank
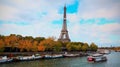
x=28, y=56
x=41, y=53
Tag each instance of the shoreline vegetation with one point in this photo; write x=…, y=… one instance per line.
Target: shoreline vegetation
x=18, y=43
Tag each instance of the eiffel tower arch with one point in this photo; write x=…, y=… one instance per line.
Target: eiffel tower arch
x=64, y=36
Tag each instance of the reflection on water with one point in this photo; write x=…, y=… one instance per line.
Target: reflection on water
x=113, y=61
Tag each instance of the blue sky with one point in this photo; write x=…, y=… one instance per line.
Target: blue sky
x=88, y=21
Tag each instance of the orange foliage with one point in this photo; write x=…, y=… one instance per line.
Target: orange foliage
x=25, y=44
x=41, y=48
x=11, y=40
x=34, y=46
x=1, y=43
x=7, y=41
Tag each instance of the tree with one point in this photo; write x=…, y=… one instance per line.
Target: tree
x=49, y=45
x=69, y=46
x=93, y=47
x=79, y=47
x=41, y=47
x=39, y=39
x=28, y=38
x=25, y=44
x=34, y=46
x=1, y=45
x=74, y=46
x=85, y=47
x=57, y=46
x=28, y=45
x=46, y=44
x=21, y=45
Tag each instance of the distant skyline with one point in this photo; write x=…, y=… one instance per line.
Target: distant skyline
x=88, y=21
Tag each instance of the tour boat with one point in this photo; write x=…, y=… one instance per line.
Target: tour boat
x=37, y=56
x=70, y=55
x=5, y=59
x=53, y=56
x=104, y=51
x=97, y=58
x=27, y=58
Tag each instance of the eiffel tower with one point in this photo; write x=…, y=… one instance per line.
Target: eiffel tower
x=64, y=37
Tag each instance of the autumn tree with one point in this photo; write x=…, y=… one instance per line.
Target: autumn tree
x=34, y=46
x=41, y=47
x=21, y=45
x=7, y=41
x=49, y=44
x=1, y=45
x=28, y=44
x=25, y=44
x=11, y=41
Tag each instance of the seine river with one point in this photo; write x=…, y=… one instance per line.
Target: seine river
x=113, y=61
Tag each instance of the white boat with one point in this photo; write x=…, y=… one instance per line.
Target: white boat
x=53, y=56
x=37, y=56
x=27, y=58
x=104, y=51
x=70, y=55
x=5, y=59
x=97, y=58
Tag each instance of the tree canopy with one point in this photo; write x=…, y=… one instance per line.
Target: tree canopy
x=29, y=43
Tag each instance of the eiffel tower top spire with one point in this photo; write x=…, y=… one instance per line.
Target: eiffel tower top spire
x=64, y=37
x=64, y=19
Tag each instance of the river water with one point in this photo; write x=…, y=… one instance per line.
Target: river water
x=113, y=61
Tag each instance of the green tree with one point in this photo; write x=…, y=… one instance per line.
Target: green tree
x=69, y=46
x=39, y=39
x=74, y=46
x=79, y=47
x=93, y=47
x=85, y=47
x=57, y=46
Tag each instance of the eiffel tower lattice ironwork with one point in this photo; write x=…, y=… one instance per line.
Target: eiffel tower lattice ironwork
x=64, y=37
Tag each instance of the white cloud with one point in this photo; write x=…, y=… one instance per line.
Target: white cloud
x=99, y=34
x=7, y=12
x=99, y=8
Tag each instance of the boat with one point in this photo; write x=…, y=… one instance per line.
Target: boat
x=70, y=55
x=25, y=58
x=37, y=56
x=97, y=58
x=28, y=58
x=5, y=59
x=104, y=51
x=53, y=56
